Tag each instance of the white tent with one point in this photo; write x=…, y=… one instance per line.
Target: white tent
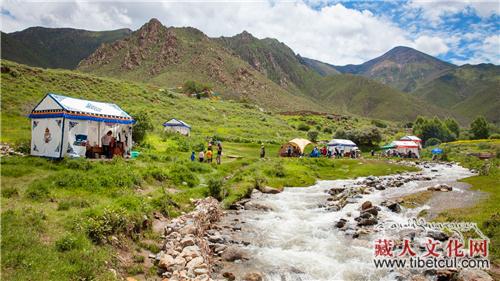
x=415, y=139
x=63, y=126
x=178, y=126
x=406, y=146
x=342, y=145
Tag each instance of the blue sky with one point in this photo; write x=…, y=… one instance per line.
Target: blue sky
x=337, y=32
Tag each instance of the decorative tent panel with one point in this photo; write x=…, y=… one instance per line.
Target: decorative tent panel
x=46, y=137
x=297, y=145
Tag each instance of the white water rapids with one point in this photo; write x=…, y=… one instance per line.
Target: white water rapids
x=297, y=240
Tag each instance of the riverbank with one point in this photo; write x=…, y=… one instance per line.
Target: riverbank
x=326, y=231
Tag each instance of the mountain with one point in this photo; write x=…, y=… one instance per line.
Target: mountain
x=403, y=68
x=170, y=56
x=322, y=68
x=274, y=59
x=55, y=47
x=468, y=91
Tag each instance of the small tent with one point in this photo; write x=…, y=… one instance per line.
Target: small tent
x=342, y=145
x=62, y=126
x=297, y=146
x=404, y=147
x=415, y=139
x=178, y=126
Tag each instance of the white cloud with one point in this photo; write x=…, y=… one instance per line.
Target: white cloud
x=434, y=10
x=487, y=51
x=431, y=45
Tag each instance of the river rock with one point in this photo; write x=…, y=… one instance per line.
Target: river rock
x=194, y=263
x=341, y=223
x=372, y=211
x=233, y=253
x=166, y=261
x=229, y=276
x=187, y=241
x=366, y=205
x=253, y=276
x=473, y=275
x=379, y=187
x=336, y=190
x=270, y=190
x=368, y=221
x=395, y=207
x=438, y=235
x=251, y=205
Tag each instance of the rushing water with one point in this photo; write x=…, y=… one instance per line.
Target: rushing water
x=297, y=240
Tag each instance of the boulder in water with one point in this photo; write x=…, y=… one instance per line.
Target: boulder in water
x=269, y=190
x=438, y=235
x=473, y=275
x=366, y=205
x=369, y=221
x=233, y=253
x=253, y=276
x=395, y=207
x=341, y=223
x=372, y=211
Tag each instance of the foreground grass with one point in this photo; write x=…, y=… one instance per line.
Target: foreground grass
x=71, y=216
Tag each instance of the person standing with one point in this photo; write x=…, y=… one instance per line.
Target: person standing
x=209, y=156
x=201, y=156
x=219, y=153
x=262, y=151
x=289, y=151
x=193, y=156
x=106, y=141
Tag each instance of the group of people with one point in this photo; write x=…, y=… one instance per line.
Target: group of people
x=395, y=153
x=325, y=152
x=207, y=155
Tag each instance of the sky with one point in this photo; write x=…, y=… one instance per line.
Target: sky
x=336, y=32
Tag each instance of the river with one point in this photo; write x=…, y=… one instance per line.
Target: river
x=297, y=240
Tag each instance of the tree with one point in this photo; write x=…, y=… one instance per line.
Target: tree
x=432, y=128
x=143, y=124
x=453, y=126
x=312, y=135
x=479, y=128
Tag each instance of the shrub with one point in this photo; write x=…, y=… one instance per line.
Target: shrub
x=142, y=126
x=9, y=192
x=303, y=127
x=479, y=128
x=327, y=130
x=138, y=258
x=495, y=136
x=279, y=170
x=111, y=221
x=259, y=181
x=158, y=174
x=312, y=135
x=432, y=142
x=180, y=174
x=379, y=123
x=67, y=243
x=215, y=188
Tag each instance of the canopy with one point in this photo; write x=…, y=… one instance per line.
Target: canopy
x=405, y=144
x=437, y=150
x=389, y=146
x=176, y=123
x=298, y=146
x=55, y=106
x=411, y=138
x=341, y=142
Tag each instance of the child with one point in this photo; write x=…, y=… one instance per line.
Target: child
x=193, y=156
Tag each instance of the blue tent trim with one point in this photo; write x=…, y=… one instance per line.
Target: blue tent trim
x=180, y=124
x=76, y=117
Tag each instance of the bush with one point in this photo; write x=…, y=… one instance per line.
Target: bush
x=215, y=188
x=327, y=130
x=479, y=128
x=495, y=136
x=312, y=135
x=259, y=181
x=180, y=174
x=379, y=123
x=67, y=243
x=111, y=221
x=279, y=170
x=142, y=126
x=158, y=174
x=303, y=127
x=432, y=142
x=9, y=192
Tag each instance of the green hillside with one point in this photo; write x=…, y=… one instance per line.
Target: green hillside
x=55, y=47
x=323, y=69
x=364, y=97
x=168, y=57
x=468, y=91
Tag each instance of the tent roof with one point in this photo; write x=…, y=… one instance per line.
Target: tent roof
x=74, y=108
x=175, y=123
x=301, y=143
x=411, y=138
x=388, y=146
x=341, y=142
x=405, y=144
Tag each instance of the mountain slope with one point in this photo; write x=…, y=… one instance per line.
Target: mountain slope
x=402, y=68
x=170, y=56
x=468, y=91
x=55, y=47
x=365, y=97
x=322, y=68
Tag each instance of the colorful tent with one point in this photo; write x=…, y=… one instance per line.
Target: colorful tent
x=297, y=146
x=342, y=145
x=178, y=126
x=63, y=126
x=405, y=147
x=413, y=139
